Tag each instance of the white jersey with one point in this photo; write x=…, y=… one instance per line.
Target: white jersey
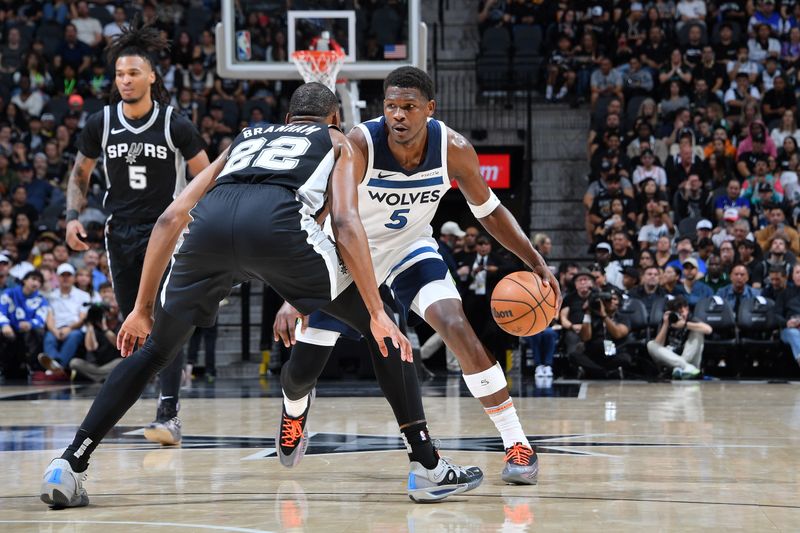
x=397, y=205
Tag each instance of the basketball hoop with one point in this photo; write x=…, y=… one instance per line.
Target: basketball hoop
x=320, y=66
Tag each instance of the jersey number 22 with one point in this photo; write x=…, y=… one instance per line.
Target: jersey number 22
x=280, y=154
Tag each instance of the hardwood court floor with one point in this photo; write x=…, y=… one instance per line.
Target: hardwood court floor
x=714, y=456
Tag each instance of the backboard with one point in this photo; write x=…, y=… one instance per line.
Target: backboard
x=256, y=37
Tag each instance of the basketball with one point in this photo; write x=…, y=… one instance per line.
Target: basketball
x=522, y=305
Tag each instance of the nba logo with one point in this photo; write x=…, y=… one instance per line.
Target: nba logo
x=243, y=45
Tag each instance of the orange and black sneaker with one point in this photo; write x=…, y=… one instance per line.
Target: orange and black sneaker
x=522, y=465
x=292, y=439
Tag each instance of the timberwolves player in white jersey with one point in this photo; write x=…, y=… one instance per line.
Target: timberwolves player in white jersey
x=145, y=147
x=411, y=159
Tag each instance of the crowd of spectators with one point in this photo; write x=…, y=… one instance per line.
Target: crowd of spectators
x=693, y=155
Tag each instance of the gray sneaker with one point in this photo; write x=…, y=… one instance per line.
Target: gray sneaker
x=522, y=465
x=167, y=432
x=62, y=487
x=292, y=439
x=447, y=479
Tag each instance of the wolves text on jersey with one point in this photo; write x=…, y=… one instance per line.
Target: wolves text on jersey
x=406, y=198
x=131, y=151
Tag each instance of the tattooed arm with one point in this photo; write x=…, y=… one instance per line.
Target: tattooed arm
x=77, y=188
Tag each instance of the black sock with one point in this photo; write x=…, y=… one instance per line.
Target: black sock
x=422, y=450
x=77, y=454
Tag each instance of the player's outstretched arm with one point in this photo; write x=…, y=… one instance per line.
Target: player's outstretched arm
x=162, y=243
x=351, y=241
x=77, y=187
x=462, y=161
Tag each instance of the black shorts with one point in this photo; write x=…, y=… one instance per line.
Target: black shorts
x=241, y=232
x=126, y=243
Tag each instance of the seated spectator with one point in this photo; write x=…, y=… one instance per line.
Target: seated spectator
x=711, y=71
x=778, y=254
x=73, y=53
x=726, y=49
x=739, y=93
x=618, y=221
x=745, y=250
x=89, y=29
x=732, y=205
x=679, y=167
x=630, y=279
x=645, y=140
x=597, y=135
x=778, y=226
x=777, y=101
x=607, y=186
x=602, y=330
x=650, y=289
x=542, y=347
x=649, y=192
x=684, y=249
x=102, y=325
x=605, y=81
x=757, y=144
x=716, y=277
x=702, y=97
x=637, y=81
x=674, y=101
x=91, y=261
x=678, y=345
x=23, y=312
x=674, y=70
x=648, y=170
x=561, y=74
x=658, y=225
x=778, y=281
x=790, y=51
x=654, y=53
x=693, y=49
x=727, y=255
x=743, y=67
x=646, y=259
x=761, y=46
x=766, y=13
x=788, y=149
x=703, y=230
x=6, y=280
x=572, y=309
x=691, y=12
x=758, y=179
x=692, y=200
x=37, y=190
x=64, y=334
x=695, y=288
x=670, y=281
x=739, y=287
x=787, y=311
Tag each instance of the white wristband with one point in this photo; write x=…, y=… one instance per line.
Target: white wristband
x=486, y=208
x=587, y=319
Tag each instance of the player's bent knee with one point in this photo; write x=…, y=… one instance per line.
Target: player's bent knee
x=487, y=382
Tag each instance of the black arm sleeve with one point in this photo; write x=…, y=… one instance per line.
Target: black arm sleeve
x=90, y=141
x=185, y=136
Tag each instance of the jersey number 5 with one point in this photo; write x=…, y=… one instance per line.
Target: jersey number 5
x=399, y=218
x=280, y=154
x=137, y=177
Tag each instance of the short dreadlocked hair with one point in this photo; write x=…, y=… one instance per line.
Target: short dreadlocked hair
x=410, y=78
x=145, y=41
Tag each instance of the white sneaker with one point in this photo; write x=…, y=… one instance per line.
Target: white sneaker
x=445, y=480
x=548, y=371
x=63, y=487
x=166, y=432
x=539, y=372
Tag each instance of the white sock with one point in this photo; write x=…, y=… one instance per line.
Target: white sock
x=295, y=408
x=548, y=92
x=507, y=423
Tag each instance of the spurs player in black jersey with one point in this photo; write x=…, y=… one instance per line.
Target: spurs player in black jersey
x=145, y=147
x=258, y=221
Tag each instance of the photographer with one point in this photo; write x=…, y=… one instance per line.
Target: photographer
x=679, y=342
x=572, y=312
x=601, y=330
x=102, y=325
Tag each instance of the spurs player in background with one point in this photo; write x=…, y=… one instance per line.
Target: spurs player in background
x=258, y=221
x=411, y=159
x=145, y=146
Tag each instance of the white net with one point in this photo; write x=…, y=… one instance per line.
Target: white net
x=320, y=66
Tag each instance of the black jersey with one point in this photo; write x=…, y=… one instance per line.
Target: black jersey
x=144, y=160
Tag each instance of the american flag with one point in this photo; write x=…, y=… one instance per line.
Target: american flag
x=394, y=51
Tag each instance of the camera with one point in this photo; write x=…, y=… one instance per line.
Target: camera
x=96, y=311
x=673, y=317
x=597, y=297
